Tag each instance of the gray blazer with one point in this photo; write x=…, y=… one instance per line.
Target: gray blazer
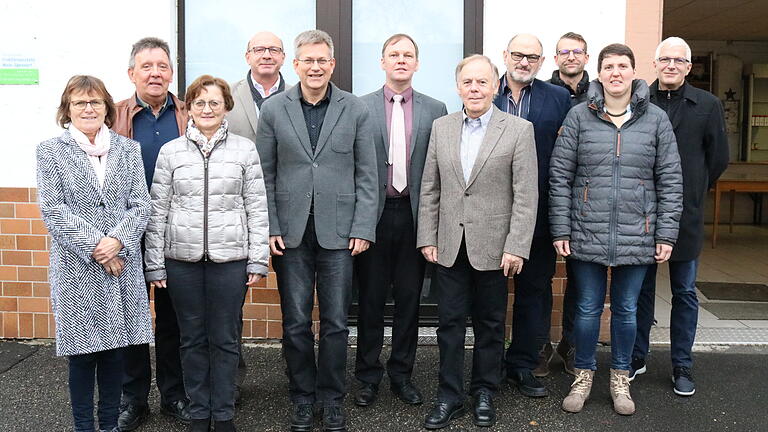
x=340, y=177
x=243, y=118
x=495, y=211
x=425, y=111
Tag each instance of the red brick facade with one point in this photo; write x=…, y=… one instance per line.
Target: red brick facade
x=25, y=310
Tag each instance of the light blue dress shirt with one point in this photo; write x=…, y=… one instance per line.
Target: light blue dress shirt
x=472, y=134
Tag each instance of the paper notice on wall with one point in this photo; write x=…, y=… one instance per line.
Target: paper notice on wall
x=19, y=69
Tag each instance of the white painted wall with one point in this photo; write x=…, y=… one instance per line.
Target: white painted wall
x=600, y=22
x=72, y=37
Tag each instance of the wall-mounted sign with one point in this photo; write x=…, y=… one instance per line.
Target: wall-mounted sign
x=19, y=69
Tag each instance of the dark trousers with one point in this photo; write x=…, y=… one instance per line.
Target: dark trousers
x=207, y=297
x=393, y=261
x=684, y=316
x=532, y=310
x=107, y=368
x=463, y=291
x=569, y=303
x=302, y=271
x=625, y=289
x=137, y=375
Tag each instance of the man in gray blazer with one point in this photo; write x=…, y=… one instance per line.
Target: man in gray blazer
x=319, y=163
x=476, y=217
x=402, y=120
x=265, y=56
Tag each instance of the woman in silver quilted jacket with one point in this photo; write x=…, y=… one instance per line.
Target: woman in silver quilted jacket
x=207, y=242
x=615, y=203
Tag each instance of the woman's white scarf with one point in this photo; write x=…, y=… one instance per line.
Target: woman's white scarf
x=206, y=145
x=97, y=152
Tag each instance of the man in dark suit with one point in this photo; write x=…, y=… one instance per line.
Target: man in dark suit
x=477, y=205
x=699, y=124
x=545, y=105
x=402, y=119
x=316, y=147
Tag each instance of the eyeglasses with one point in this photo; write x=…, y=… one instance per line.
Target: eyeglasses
x=200, y=104
x=577, y=52
x=518, y=56
x=96, y=104
x=310, y=62
x=677, y=60
x=260, y=50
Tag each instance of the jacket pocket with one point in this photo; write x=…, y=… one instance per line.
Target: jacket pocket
x=646, y=217
x=342, y=140
x=498, y=228
x=345, y=211
x=283, y=204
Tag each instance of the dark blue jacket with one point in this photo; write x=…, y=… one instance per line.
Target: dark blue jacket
x=549, y=106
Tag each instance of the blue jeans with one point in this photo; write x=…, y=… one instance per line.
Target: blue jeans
x=591, y=279
x=685, y=312
x=302, y=271
x=107, y=367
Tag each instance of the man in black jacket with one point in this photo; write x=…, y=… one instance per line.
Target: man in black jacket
x=571, y=57
x=699, y=124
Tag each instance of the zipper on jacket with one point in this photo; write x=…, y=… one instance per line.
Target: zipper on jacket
x=669, y=94
x=618, y=143
x=205, y=208
x=646, y=217
x=614, y=223
x=585, y=197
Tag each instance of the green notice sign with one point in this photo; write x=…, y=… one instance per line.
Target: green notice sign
x=19, y=76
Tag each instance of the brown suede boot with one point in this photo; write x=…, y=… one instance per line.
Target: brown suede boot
x=622, y=400
x=580, y=390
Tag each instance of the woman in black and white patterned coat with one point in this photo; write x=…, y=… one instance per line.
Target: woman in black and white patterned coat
x=95, y=204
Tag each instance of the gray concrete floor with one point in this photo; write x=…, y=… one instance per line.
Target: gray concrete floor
x=731, y=395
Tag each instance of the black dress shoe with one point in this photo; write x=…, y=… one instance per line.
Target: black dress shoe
x=224, y=426
x=483, y=412
x=132, y=416
x=527, y=384
x=407, y=392
x=178, y=409
x=366, y=394
x=302, y=418
x=199, y=425
x=442, y=414
x=334, y=418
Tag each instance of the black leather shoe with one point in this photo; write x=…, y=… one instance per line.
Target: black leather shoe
x=407, y=392
x=199, y=425
x=334, y=418
x=527, y=384
x=483, y=412
x=302, y=418
x=178, y=409
x=132, y=416
x=442, y=413
x=224, y=426
x=366, y=394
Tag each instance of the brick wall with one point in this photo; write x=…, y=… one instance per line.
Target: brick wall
x=25, y=310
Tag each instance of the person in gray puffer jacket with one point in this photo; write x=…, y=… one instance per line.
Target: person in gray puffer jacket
x=207, y=242
x=615, y=202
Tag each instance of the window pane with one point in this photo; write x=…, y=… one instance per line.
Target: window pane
x=216, y=38
x=437, y=26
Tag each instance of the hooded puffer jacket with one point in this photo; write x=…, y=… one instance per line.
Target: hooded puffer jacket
x=615, y=192
x=214, y=208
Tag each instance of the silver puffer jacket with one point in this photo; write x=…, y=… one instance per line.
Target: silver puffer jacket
x=214, y=208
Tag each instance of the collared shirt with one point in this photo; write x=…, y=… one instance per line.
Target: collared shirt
x=472, y=134
x=259, y=88
x=153, y=131
x=519, y=108
x=314, y=115
x=407, y=105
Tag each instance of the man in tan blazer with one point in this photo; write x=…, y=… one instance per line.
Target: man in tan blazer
x=476, y=217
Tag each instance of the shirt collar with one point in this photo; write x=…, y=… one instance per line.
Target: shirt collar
x=325, y=98
x=260, y=88
x=389, y=93
x=168, y=103
x=507, y=90
x=484, y=119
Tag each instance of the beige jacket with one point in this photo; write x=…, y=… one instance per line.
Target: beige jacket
x=495, y=211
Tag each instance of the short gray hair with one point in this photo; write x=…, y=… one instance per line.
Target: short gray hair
x=472, y=58
x=672, y=42
x=149, y=43
x=311, y=37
